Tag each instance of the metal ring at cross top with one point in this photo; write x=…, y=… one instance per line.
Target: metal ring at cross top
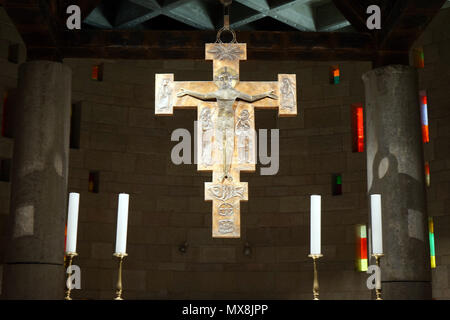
x=219, y=33
x=226, y=22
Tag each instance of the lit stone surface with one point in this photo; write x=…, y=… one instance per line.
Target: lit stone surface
x=35, y=252
x=394, y=142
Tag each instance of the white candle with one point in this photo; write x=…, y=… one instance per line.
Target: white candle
x=377, y=234
x=72, y=222
x=315, y=224
x=122, y=223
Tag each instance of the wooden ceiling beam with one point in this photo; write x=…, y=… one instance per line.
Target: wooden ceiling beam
x=37, y=21
x=146, y=44
x=354, y=12
x=42, y=26
x=86, y=6
x=405, y=22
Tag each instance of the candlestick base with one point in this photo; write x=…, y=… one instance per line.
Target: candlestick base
x=377, y=261
x=316, y=276
x=71, y=255
x=119, y=290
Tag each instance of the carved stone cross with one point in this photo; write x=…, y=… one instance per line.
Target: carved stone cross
x=226, y=125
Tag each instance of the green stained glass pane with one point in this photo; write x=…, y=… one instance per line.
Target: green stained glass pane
x=336, y=80
x=432, y=249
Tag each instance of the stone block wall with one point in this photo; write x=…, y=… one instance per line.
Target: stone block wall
x=130, y=147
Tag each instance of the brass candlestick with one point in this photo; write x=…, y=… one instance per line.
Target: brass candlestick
x=71, y=255
x=377, y=261
x=120, y=256
x=316, y=276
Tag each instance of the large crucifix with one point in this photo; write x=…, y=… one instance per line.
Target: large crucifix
x=226, y=125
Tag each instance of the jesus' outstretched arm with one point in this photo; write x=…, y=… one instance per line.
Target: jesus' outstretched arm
x=256, y=97
x=201, y=96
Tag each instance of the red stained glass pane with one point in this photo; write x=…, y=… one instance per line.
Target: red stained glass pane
x=425, y=134
x=357, y=128
x=363, y=246
x=95, y=72
x=424, y=100
x=427, y=173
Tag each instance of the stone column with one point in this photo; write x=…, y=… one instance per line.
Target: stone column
x=395, y=169
x=35, y=250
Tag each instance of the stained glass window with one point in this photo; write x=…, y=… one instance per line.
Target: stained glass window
x=97, y=72
x=424, y=116
x=334, y=75
x=427, y=173
x=432, y=248
x=336, y=184
x=357, y=128
x=361, y=248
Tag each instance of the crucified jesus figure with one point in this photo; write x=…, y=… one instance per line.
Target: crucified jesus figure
x=225, y=96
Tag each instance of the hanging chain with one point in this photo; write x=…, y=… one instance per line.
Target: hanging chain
x=226, y=22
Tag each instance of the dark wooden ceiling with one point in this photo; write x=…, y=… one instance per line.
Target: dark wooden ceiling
x=139, y=32
x=269, y=15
